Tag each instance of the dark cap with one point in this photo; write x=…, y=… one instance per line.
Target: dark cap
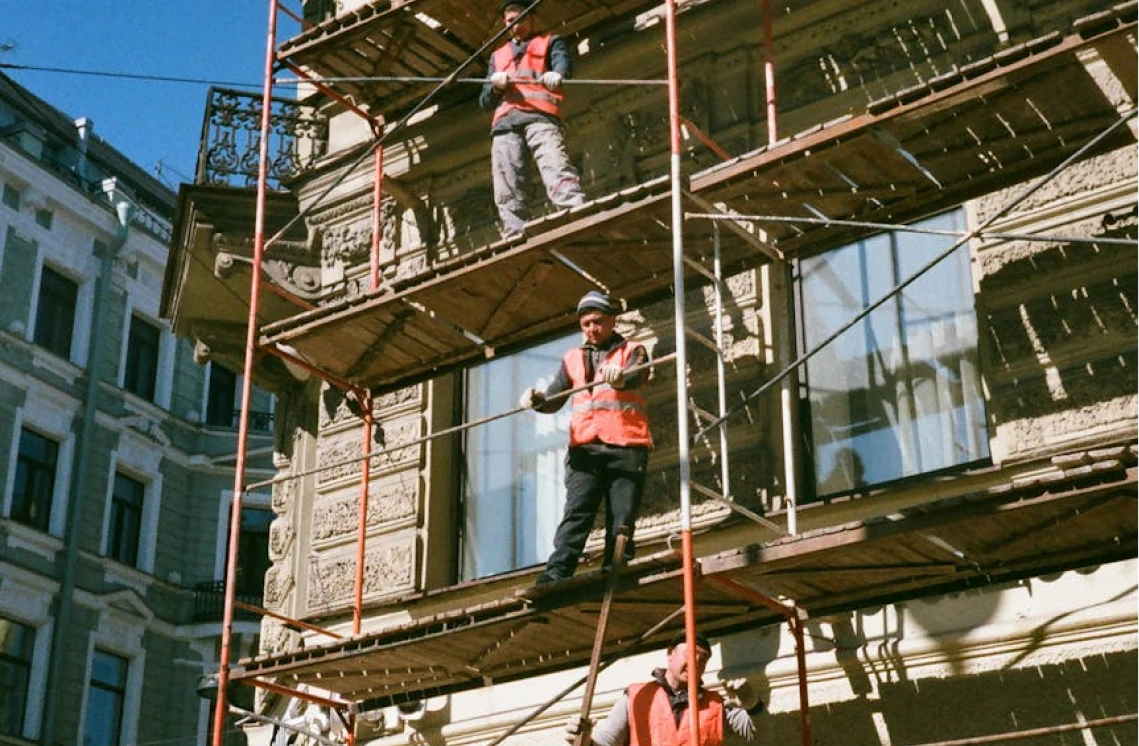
x=595, y=300
x=682, y=637
x=520, y=4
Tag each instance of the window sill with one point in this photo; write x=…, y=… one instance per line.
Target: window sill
x=31, y=540
x=51, y=362
x=117, y=573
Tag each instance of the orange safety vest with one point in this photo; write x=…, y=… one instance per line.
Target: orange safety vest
x=618, y=417
x=652, y=723
x=523, y=95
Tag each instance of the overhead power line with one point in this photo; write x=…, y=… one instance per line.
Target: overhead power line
x=126, y=76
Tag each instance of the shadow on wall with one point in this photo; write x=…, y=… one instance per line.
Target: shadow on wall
x=1075, y=308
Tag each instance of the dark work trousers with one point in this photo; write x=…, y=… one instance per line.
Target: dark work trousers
x=596, y=472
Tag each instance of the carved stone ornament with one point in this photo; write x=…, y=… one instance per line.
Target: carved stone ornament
x=389, y=501
x=388, y=570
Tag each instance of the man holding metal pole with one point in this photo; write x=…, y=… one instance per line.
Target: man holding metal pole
x=609, y=435
x=524, y=89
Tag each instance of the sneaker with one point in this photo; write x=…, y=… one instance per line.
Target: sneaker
x=514, y=235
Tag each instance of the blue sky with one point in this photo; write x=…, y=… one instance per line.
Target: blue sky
x=216, y=40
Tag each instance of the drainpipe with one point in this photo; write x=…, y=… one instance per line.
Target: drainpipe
x=83, y=127
x=72, y=529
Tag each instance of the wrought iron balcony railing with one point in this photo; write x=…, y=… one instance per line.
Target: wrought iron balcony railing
x=231, y=136
x=209, y=602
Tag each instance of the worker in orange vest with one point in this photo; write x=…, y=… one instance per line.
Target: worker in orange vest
x=524, y=89
x=656, y=713
x=609, y=435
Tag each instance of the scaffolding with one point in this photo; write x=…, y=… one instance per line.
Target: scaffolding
x=837, y=182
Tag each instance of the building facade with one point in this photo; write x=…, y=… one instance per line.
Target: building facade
x=117, y=464
x=1006, y=366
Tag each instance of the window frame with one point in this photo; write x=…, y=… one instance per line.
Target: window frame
x=50, y=344
x=29, y=663
x=128, y=552
x=53, y=490
x=122, y=689
x=810, y=468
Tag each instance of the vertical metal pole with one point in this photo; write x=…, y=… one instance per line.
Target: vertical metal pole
x=721, y=373
x=362, y=519
x=377, y=199
x=788, y=389
x=796, y=624
x=220, y=705
x=769, y=73
x=681, y=372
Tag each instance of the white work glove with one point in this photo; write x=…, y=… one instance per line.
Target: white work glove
x=552, y=80
x=499, y=80
x=613, y=375
x=739, y=693
x=531, y=398
x=576, y=728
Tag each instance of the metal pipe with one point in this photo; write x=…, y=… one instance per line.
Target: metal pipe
x=1034, y=732
x=796, y=624
x=679, y=322
x=362, y=518
x=895, y=228
x=721, y=371
x=377, y=199
x=769, y=74
x=75, y=504
x=247, y=379
x=456, y=429
x=477, y=81
x=788, y=400
x=262, y=611
x=243, y=713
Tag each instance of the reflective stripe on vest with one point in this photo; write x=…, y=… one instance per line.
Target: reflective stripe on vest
x=521, y=95
x=652, y=723
x=618, y=417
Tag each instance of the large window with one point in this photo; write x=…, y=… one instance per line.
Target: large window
x=141, y=375
x=16, y=643
x=34, y=485
x=512, y=491
x=898, y=394
x=126, y=520
x=106, y=693
x=55, y=312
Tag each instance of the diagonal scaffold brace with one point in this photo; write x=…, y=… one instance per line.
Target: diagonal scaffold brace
x=583, y=725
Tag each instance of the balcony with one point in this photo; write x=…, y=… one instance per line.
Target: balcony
x=209, y=602
x=231, y=139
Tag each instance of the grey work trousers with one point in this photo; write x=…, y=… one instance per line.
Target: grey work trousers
x=510, y=167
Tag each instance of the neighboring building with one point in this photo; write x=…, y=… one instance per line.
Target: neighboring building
x=117, y=446
x=959, y=482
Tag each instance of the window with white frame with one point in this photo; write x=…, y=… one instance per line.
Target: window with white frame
x=106, y=698
x=33, y=489
x=140, y=374
x=127, y=496
x=512, y=487
x=17, y=645
x=11, y=197
x=898, y=394
x=55, y=312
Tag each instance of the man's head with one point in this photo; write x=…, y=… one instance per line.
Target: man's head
x=524, y=29
x=677, y=672
x=597, y=317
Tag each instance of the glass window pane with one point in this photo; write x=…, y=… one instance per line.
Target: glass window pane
x=55, y=313
x=126, y=519
x=33, y=488
x=103, y=723
x=141, y=372
x=897, y=394
x=513, y=494
x=16, y=644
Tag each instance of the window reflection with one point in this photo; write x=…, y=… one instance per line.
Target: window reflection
x=513, y=493
x=898, y=394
